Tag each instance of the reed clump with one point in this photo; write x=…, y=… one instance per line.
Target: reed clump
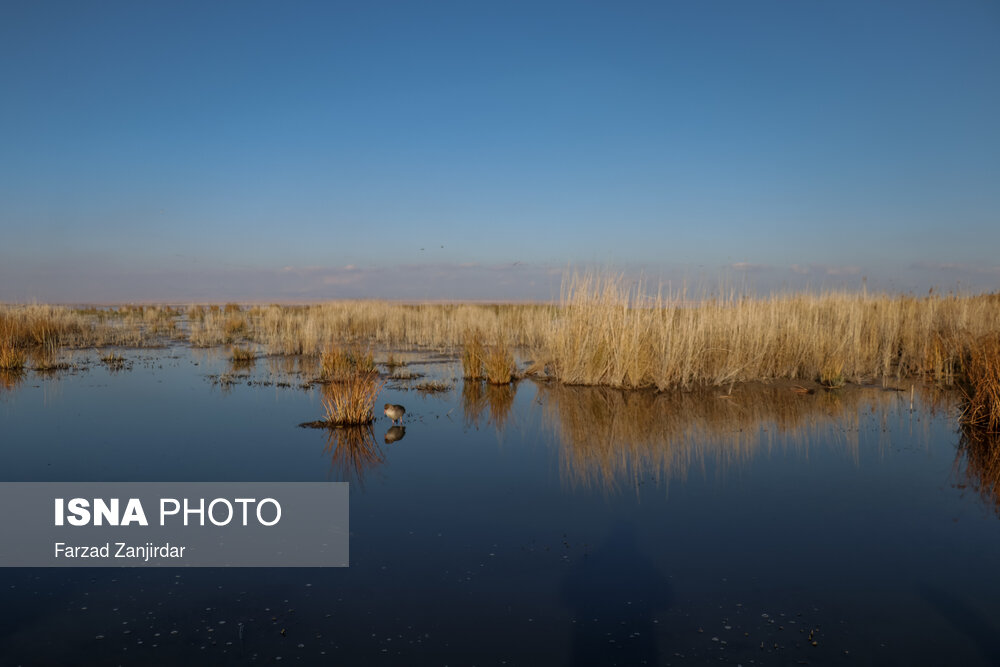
x=433, y=387
x=243, y=355
x=11, y=358
x=498, y=363
x=337, y=363
x=473, y=352
x=351, y=401
x=113, y=361
x=981, y=385
x=45, y=358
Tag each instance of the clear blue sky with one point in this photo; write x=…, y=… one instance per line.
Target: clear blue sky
x=266, y=150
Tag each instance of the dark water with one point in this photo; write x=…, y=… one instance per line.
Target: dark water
x=536, y=525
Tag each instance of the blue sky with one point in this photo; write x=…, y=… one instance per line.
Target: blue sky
x=430, y=150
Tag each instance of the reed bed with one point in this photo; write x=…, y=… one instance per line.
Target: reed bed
x=34, y=326
x=610, y=333
x=981, y=385
x=351, y=401
x=604, y=332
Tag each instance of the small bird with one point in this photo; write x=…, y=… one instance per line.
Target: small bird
x=394, y=412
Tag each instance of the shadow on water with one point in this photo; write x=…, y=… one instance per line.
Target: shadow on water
x=615, y=594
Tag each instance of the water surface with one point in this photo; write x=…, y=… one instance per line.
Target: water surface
x=532, y=524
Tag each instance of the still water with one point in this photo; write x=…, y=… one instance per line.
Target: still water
x=536, y=524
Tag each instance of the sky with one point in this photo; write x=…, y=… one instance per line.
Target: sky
x=296, y=151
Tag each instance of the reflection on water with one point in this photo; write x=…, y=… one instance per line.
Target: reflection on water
x=834, y=517
x=496, y=401
x=242, y=365
x=10, y=379
x=353, y=452
x=980, y=453
x=611, y=438
x=395, y=434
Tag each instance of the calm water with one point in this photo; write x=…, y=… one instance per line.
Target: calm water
x=541, y=525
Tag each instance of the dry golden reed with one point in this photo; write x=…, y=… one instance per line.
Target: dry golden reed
x=981, y=384
x=339, y=364
x=473, y=352
x=611, y=333
x=498, y=363
x=351, y=401
x=242, y=354
x=605, y=331
x=11, y=358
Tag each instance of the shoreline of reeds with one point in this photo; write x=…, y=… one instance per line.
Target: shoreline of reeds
x=604, y=332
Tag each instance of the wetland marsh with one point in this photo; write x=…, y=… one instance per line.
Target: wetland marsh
x=525, y=522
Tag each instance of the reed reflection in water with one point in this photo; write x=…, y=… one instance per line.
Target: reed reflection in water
x=494, y=401
x=353, y=453
x=10, y=379
x=979, y=462
x=613, y=439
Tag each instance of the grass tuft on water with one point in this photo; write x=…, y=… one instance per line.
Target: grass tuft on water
x=242, y=354
x=11, y=358
x=351, y=400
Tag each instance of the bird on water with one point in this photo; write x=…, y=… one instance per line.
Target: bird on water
x=394, y=412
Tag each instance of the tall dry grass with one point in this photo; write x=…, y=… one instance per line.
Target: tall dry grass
x=473, y=352
x=351, y=401
x=338, y=363
x=12, y=358
x=981, y=385
x=611, y=333
x=34, y=326
x=605, y=332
